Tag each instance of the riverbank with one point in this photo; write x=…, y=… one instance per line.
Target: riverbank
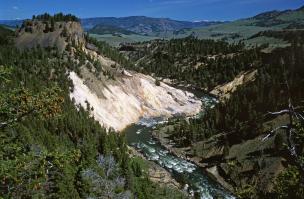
x=159, y=175
x=183, y=152
x=252, y=162
x=184, y=172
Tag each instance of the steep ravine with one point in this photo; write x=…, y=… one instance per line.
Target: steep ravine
x=193, y=179
x=137, y=99
x=118, y=98
x=130, y=98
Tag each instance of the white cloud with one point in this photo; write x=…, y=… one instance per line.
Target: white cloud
x=15, y=7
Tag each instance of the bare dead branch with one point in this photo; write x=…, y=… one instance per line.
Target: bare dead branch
x=274, y=132
x=282, y=112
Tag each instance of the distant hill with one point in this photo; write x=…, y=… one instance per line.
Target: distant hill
x=140, y=28
x=239, y=30
x=4, y=35
x=245, y=28
x=274, y=18
x=136, y=24
x=107, y=29
x=11, y=23
x=143, y=25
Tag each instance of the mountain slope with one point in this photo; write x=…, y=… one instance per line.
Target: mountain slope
x=11, y=23
x=38, y=33
x=114, y=92
x=244, y=28
x=58, y=150
x=229, y=140
x=229, y=31
x=109, y=29
x=143, y=25
x=104, y=83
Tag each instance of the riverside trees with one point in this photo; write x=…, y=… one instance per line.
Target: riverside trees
x=49, y=148
x=243, y=116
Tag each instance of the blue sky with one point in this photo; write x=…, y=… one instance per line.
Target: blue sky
x=191, y=10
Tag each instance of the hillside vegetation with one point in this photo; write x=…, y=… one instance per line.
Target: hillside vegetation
x=51, y=148
x=244, y=28
x=228, y=137
x=201, y=63
x=143, y=25
x=63, y=95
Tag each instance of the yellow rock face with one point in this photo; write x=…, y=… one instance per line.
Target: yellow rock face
x=131, y=98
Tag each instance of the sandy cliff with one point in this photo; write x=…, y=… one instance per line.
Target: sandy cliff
x=129, y=99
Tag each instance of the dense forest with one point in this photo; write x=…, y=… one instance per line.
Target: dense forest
x=241, y=117
x=105, y=49
x=202, y=63
x=49, y=147
x=293, y=36
x=56, y=17
x=48, y=20
x=268, y=92
x=221, y=62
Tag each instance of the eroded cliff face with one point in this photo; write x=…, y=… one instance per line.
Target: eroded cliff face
x=118, y=97
x=35, y=33
x=130, y=98
x=225, y=91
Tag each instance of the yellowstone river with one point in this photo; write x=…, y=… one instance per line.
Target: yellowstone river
x=196, y=180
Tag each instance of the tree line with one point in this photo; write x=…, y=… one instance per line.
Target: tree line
x=51, y=148
x=202, y=63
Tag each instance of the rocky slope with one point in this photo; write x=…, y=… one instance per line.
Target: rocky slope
x=37, y=33
x=118, y=97
x=252, y=162
x=224, y=91
x=158, y=174
x=127, y=100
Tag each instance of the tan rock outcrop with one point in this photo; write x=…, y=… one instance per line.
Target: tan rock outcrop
x=128, y=99
x=224, y=91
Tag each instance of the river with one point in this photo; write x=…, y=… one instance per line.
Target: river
x=196, y=180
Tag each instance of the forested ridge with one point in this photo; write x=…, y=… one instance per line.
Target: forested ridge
x=202, y=63
x=222, y=62
x=49, y=147
x=241, y=118
x=267, y=93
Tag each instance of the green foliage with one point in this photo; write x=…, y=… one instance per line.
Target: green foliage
x=110, y=52
x=287, y=35
x=242, y=115
x=49, y=21
x=47, y=27
x=108, y=29
x=42, y=156
x=246, y=192
x=20, y=102
x=5, y=36
x=202, y=63
x=299, y=139
x=5, y=73
x=289, y=184
x=278, y=142
x=157, y=82
x=56, y=17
